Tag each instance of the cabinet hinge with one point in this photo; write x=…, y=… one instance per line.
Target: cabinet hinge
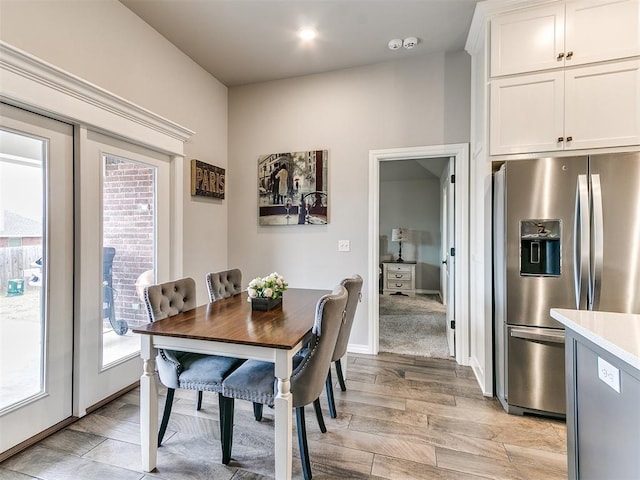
x=453, y=178
x=453, y=324
x=453, y=252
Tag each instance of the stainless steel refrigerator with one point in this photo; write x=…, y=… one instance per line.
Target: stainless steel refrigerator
x=566, y=235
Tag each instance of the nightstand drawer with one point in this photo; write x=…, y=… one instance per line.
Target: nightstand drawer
x=398, y=285
x=397, y=268
x=395, y=276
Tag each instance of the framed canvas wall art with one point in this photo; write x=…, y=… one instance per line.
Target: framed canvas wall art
x=292, y=188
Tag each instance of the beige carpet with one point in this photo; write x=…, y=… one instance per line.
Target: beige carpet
x=413, y=326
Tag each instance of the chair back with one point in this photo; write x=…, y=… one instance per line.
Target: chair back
x=224, y=284
x=354, y=291
x=170, y=298
x=307, y=380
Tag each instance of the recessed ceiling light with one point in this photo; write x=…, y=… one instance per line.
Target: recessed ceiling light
x=307, y=34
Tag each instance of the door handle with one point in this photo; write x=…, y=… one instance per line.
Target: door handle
x=581, y=242
x=597, y=254
x=550, y=337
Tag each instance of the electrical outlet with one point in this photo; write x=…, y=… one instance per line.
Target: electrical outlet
x=344, y=246
x=609, y=374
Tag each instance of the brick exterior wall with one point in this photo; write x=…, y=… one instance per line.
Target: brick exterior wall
x=128, y=226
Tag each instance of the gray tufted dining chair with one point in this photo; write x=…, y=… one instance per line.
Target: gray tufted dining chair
x=224, y=284
x=190, y=371
x=354, y=290
x=255, y=380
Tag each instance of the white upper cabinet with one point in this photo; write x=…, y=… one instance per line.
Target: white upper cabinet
x=527, y=113
x=526, y=41
x=602, y=105
x=601, y=30
x=570, y=109
x=559, y=35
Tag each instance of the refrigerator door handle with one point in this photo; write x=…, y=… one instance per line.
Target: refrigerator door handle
x=581, y=242
x=595, y=273
x=549, y=337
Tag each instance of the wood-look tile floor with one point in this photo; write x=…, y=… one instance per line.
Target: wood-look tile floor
x=401, y=418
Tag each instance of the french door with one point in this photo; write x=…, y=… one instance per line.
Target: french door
x=123, y=202
x=36, y=274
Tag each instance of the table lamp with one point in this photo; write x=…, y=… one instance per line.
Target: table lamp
x=399, y=235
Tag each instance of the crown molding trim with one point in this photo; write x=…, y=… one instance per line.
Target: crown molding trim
x=29, y=82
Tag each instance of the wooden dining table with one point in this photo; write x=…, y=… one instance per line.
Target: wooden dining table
x=230, y=327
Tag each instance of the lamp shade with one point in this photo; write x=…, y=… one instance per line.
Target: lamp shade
x=399, y=235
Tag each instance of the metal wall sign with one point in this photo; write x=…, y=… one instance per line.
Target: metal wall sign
x=207, y=180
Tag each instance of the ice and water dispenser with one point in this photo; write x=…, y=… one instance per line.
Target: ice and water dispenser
x=540, y=248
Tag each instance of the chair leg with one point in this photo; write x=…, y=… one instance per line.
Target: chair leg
x=338, y=364
x=330, y=399
x=318, y=409
x=226, y=405
x=257, y=411
x=199, y=400
x=165, y=416
x=302, y=443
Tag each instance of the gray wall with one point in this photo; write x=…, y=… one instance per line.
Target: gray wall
x=104, y=43
x=413, y=102
x=414, y=205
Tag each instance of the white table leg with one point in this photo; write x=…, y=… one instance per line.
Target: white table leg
x=283, y=407
x=148, y=405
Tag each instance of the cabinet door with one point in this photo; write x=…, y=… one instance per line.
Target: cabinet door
x=528, y=40
x=527, y=113
x=601, y=30
x=602, y=105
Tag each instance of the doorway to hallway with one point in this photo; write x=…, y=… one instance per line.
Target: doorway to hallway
x=453, y=256
x=414, y=298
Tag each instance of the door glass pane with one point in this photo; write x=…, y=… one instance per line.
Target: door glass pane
x=21, y=268
x=128, y=253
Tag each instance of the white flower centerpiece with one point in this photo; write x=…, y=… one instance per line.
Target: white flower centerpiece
x=265, y=293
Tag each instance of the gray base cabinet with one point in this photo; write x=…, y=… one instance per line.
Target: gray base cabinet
x=603, y=425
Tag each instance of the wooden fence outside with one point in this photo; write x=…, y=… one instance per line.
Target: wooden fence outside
x=15, y=263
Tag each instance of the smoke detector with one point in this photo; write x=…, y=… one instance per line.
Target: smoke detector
x=409, y=42
x=395, y=44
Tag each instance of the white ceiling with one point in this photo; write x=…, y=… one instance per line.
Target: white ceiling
x=248, y=41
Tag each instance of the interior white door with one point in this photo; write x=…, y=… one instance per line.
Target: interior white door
x=124, y=199
x=444, y=241
x=450, y=259
x=36, y=313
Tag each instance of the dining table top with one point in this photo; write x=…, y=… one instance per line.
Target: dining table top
x=232, y=320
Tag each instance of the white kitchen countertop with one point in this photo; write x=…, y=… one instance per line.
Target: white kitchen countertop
x=618, y=333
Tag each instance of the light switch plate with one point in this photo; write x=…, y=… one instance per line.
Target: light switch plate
x=344, y=246
x=609, y=374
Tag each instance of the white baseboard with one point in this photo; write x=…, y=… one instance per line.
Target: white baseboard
x=478, y=371
x=428, y=292
x=359, y=348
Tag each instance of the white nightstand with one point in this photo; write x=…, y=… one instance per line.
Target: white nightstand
x=399, y=278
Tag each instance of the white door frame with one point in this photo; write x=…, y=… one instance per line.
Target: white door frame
x=460, y=151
